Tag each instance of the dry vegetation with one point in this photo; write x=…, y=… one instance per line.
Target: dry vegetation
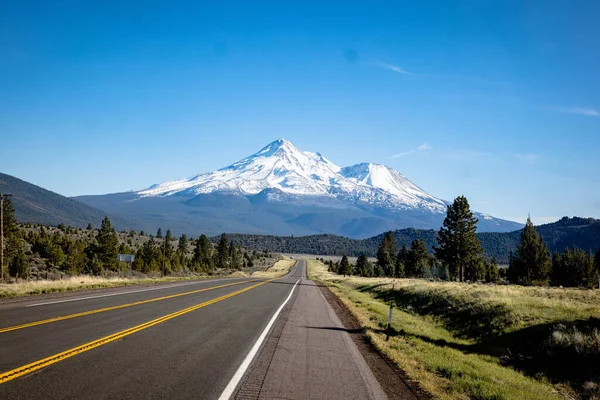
x=280, y=268
x=82, y=282
x=267, y=268
x=481, y=341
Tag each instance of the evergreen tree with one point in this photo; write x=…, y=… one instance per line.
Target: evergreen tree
x=417, y=265
x=182, y=246
x=596, y=271
x=401, y=260
x=76, y=258
x=89, y=227
x=363, y=266
x=159, y=233
x=345, y=267
x=459, y=249
x=167, y=244
x=531, y=262
x=222, y=254
x=203, y=257
x=491, y=272
x=386, y=254
x=19, y=265
x=11, y=230
x=573, y=268
x=236, y=262
x=107, y=245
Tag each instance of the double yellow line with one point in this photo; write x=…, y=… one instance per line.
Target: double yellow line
x=37, y=365
x=100, y=310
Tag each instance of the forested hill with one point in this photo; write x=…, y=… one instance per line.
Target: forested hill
x=34, y=204
x=567, y=232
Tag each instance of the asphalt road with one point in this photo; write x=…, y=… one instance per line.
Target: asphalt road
x=192, y=355
x=214, y=339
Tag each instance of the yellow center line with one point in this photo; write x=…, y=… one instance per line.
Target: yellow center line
x=100, y=310
x=43, y=363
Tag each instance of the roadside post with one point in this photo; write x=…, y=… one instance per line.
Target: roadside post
x=389, y=325
x=127, y=258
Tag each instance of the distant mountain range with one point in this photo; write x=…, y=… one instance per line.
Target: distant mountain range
x=281, y=190
x=583, y=233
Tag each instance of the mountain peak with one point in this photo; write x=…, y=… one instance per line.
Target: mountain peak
x=276, y=145
x=280, y=165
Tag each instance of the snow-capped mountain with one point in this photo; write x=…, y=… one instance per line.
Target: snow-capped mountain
x=280, y=165
x=281, y=190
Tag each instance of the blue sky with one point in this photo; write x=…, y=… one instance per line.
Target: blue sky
x=499, y=101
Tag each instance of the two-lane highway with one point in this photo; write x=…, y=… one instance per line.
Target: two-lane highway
x=182, y=341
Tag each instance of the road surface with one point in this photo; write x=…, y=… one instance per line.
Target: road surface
x=201, y=340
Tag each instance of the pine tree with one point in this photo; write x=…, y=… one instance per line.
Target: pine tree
x=89, y=227
x=10, y=228
x=363, y=266
x=107, y=245
x=459, y=249
x=159, y=233
x=345, y=267
x=418, y=260
x=206, y=259
x=386, y=254
x=492, y=274
x=596, y=271
x=531, y=262
x=235, y=257
x=167, y=244
x=222, y=252
x=19, y=265
x=401, y=260
x=76, y=258
x=182, y=246
x=573, y=268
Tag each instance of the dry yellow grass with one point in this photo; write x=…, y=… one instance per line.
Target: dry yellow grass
x=278, y=269
x=447, y=364
x=82, y=282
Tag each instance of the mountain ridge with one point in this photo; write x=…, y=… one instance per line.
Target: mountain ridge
x=34, y=204
x=281, y=190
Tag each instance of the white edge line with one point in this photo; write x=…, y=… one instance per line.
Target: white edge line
x=121, y=293
x=239, y=374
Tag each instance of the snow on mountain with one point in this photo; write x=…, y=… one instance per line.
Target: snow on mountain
x=280, y=165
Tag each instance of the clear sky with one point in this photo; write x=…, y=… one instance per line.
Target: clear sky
x=499, y=101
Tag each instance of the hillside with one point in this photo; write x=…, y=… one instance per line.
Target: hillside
x=34, y=204
x=567, y=232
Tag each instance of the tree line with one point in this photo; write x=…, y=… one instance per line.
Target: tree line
x=95, y=252
x=459, y=256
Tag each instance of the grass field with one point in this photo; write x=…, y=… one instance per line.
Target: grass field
x=280, y=268
x=463, y=341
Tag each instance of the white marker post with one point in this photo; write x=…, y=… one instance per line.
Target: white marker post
x=387, y=334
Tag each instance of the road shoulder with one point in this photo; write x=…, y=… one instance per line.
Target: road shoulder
x=311, y=353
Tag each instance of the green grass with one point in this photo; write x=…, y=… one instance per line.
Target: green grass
x=480, y=341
